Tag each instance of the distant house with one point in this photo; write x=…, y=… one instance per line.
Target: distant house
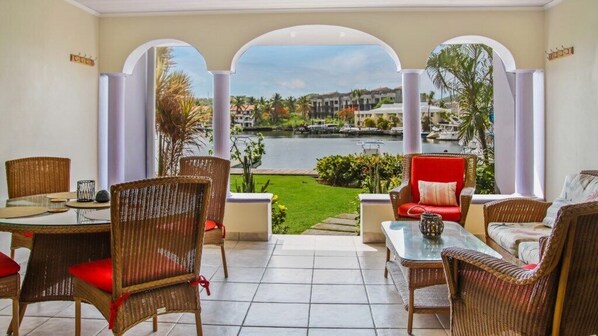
x=327, y=105
x=243, y=117
x=396, y=109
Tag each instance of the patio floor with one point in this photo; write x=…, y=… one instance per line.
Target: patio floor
x=291, y=285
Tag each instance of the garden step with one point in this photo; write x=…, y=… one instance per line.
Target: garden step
x=314, y=232
x=334, y=227
x=348, y=216
x=340, y=221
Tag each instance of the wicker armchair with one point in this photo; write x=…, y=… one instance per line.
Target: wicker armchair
x=407, y=195
x=491, y=296
x=218, y=170
x=34, y=176
x=9, y=287
x=148, y=273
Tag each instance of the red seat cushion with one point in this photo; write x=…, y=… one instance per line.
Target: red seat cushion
x=529, y=267
x=8, y=266
x=448, y=213
x=96, y=273
x=436, y=169
x=28, y=234
x=210, y=225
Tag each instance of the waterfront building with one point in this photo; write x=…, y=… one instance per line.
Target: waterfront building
x=328, y=104
x=387, y=110
x=243, y=117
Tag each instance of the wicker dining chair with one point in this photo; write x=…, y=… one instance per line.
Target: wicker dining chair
x=435, y=167
x=9, y=287
x=218, y=170
x=491, y=296
x=148, y=273
x=34, y=176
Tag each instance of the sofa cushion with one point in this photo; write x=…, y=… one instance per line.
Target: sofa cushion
x=8, y=266
x=578, y=188
x=436, y=169
x=437, y=193
x=448, y=213
x=510, y=235
x=529, y=252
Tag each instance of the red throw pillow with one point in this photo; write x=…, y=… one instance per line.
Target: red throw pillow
x=8, y=266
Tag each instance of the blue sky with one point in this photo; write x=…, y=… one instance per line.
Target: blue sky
x=298, y=70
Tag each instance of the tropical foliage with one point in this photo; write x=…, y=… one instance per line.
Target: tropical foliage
x=179, y=119
x=465, y=70
x=370, y=172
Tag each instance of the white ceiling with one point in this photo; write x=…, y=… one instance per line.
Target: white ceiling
x=120, y=7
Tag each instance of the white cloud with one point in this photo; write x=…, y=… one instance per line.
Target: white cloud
x=295, y=83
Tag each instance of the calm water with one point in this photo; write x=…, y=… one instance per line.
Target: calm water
x=300, y=151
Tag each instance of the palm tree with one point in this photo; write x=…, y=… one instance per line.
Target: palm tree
x=238, y=102
x=276, y=108
x=178, y=118
x=304, y=106
x=355, y=95
x=290, y=103
x=467, y=70
x=430, y=101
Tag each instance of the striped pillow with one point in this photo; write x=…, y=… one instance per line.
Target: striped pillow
x=436, y=193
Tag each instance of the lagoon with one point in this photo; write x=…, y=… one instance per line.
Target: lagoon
x=284, y=149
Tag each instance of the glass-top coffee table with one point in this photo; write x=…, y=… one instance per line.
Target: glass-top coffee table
x=418, y=264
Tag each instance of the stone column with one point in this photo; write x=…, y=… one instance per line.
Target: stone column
x=116, y=128
x=412, y=142
x=102, y=183
x=524, y=132
x=221, y=118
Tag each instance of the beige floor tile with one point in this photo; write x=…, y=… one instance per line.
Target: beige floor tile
x=46, y=309
x=220, y=313
x=250, y=245
x=336, y=262
x=244, y=259
x=395, y=316
x=375, y=277
x=383, y=294
x=143, y=329
x=240, y=274
x=283, y=293
x=88, y=311
x=287, y=275
x=258, y=331
x=338, y=294
x=291, y=262
x=364, y=250
x=341, y=332
x=208, y=330
x=332, y=253
x=292, y=250
x=4, y=303
x=340, y=316
x=27, y=325
x=169, y=318
x=66, y=327
x=336, y=277
x=277, y=315
x=209, y=271
x=373, y=262
x=229, y=291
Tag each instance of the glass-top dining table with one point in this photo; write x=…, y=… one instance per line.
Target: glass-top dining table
x=67, y=237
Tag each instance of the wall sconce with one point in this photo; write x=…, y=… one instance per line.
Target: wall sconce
x=559, y=52
x=83, y=59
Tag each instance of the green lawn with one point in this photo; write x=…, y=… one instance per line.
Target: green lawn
x=308, y=201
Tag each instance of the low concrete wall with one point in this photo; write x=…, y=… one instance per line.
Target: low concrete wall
x=248, y=216
x=376, y=208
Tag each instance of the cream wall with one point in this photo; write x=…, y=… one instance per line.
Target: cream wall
x=48, y=105
x=412, y=34
x=571, y=92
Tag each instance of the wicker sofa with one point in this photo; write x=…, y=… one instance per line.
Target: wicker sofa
x=515, y=226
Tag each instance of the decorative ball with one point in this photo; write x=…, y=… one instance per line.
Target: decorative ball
x=103, y=196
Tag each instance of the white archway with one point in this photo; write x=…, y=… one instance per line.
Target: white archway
x=316, y=35
x=505, y=54
x=138, y=52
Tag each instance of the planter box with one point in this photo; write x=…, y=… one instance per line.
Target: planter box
x=248, y=216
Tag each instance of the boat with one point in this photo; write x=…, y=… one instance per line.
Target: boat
x=434, y=134
x=396, y=131
x=323, y=128
x=371, y=147
x=449, y=132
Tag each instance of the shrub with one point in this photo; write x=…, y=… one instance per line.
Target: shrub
x=338, y=170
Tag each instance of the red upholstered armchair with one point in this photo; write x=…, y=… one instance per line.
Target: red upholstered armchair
x=445, y=169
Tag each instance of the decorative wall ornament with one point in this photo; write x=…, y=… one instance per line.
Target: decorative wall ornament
x=87, y=60
x=559, y=52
